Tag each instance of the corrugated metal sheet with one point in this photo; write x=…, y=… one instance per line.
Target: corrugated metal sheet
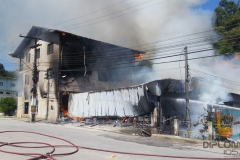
x=121, y=102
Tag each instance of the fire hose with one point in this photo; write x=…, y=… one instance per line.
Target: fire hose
x=51, y=154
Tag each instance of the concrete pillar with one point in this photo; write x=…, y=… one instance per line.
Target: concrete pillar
x=152, y=123
x=210, y=131
x=155, y=117
x=160, y=114
x=176, y=127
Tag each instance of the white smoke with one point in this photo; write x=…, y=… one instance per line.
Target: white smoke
x=160, y=21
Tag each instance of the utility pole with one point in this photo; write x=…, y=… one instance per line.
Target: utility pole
x=160, y=114
x=35, y=76
x=48, y=76
x=186, y=91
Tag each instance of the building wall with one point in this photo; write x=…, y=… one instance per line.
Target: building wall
x=8, y=87
x=44, y=62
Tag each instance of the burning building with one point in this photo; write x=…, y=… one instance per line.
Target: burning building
x=88, y=79
x=167, y=96
x=77, y=64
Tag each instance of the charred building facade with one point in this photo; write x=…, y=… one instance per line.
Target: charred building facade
x=163, y=100
x=88, y=78
x=77, y=65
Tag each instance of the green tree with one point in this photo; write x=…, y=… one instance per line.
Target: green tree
x=4, y=73
x=226, y=21
x=7, y=104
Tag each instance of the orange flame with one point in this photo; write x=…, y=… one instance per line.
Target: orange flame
x=138, y=56
x=78, y=118
x=65, y=111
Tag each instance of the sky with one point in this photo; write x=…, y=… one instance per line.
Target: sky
x=18, y=17
x=210, y=5
x=147, y=24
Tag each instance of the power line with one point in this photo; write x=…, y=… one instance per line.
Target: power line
x=206, y=81
x=78, y=57
x=171, y=55
x=154, y=49
x=206, y=49
x=196, y=51
x=116, y=16
x=168, y=39
x=162, y=57
x=88, y=13
x=108, y=14
x=197, y=33
x=109, y=67
x=216, y=77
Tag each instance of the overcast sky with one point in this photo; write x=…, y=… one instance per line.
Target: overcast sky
x=154, y=20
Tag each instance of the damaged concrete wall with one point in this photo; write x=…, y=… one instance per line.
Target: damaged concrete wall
x=44, y=62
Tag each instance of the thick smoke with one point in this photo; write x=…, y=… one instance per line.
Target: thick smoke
x=160, y=21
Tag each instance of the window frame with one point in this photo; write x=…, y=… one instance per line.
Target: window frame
x=29, y=58
x=25, y=96
x=38, y=53
x=26, y=79
x=50, y=48
x=26, y=60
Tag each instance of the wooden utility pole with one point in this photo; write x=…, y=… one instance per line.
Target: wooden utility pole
x=35, y=76
x=160, y=114
x=186, y=91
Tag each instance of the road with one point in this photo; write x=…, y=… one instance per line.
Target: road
x=97, y=139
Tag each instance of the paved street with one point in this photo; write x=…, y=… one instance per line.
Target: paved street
x=97, y=139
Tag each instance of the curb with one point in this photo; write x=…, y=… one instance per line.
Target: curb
x=171, y=137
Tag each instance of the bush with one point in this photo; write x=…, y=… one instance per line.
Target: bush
x=8, y=104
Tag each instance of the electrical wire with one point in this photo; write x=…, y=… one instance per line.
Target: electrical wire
x=169, y=39
x=107, y=14
x=214, y=30
x=88, y=13
x=176, y=37
x=111, y=67
x=117, y=16
x=173, y=47
x=216, y=77
x=106, y=58
x=222, y=86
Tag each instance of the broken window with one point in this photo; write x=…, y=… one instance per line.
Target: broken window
x=29, y=58
x=21, y=65
x=38, y=53
x=26, y=96
x=26, y=58
x=26, y=79
x=50, y=48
